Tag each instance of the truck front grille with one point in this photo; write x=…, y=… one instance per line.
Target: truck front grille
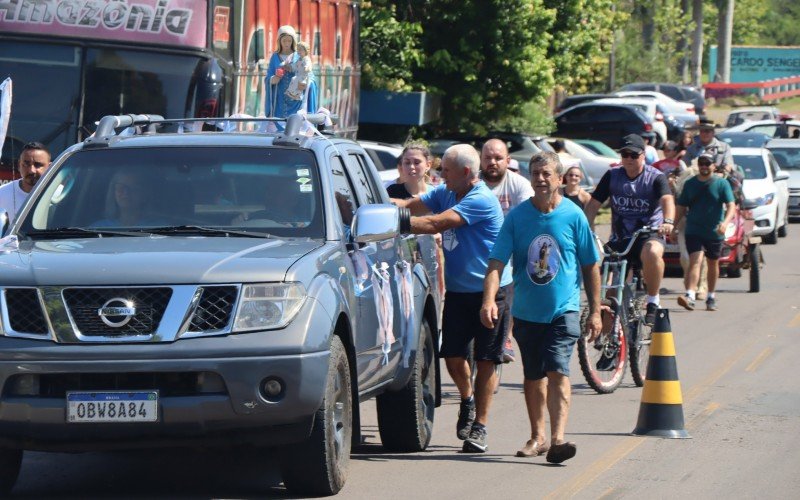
x=25, y=311
x=214, y=310
x=84, y=305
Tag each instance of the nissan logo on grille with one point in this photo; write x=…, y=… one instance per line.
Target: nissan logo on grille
x=117, y=312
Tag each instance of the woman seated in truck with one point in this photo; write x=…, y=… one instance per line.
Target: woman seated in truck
x=129, y=202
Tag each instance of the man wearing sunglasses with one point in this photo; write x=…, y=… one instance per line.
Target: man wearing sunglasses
x=704, y=197
x=639, y=196
x=33, y=161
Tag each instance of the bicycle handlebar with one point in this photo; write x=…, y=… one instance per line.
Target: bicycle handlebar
x=612, y=253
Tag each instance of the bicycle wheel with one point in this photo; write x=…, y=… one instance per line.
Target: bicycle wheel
x=640, y=337
x=603, y=362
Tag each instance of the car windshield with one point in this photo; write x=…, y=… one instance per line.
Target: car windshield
x=745, y=139
x=169, y=190
x=787, y=158
x=753, y=166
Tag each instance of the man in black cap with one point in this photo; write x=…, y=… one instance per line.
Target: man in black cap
x=706, y=142
x=639, y=196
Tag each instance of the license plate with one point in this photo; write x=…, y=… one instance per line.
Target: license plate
x=112, y=406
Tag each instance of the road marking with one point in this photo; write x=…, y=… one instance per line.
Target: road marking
x=759, y=359
x=703, y=415
x=795, y=322
x=596, y=469
x=608, y=460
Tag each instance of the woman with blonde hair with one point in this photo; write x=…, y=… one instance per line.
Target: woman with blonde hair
x=413, y=168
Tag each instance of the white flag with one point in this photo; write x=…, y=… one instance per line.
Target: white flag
x=5, y=108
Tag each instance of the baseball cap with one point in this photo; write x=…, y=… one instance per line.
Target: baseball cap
x=632, y=142
x=706, y=156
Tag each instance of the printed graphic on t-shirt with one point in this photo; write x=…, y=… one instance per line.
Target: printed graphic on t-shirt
x=543, y=259
x=449, y=240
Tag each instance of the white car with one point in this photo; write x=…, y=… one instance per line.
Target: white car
x=774, y=128
x=751, y=114
x=766, y=187
x=594, y=165
x=650, y=108
x=681, y=110
x=787, y=154
x=385, y=156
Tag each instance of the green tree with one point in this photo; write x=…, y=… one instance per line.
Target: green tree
x=782, y=21
x=389, y=48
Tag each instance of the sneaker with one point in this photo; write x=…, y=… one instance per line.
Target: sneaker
x=607, y=363
x=466, y=416
x=686, y=302
x=476, y=442
x=650, y=314
x=711, y=304
x=509, y=356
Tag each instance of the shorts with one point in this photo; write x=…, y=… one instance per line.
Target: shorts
x=712, y=248
x=461, y=324
x=547, y=347
x=634, y=256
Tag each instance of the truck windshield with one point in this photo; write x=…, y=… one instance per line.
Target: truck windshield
x=48, y=105
x=174, y=190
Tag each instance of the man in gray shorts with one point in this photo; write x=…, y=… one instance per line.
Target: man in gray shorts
x=552, y=247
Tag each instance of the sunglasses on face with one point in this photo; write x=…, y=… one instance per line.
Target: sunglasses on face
x=704, y=163
x=628, y=154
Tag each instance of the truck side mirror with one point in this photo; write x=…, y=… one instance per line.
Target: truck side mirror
x=380, y=222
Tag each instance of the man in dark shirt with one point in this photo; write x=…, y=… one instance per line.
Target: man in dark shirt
x=639, y=196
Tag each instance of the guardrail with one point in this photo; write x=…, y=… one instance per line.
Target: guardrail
x=766, y=90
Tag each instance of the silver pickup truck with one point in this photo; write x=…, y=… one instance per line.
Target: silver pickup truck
x=163, y=287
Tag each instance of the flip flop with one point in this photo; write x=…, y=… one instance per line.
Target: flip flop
x=561, y=452
x=532, y=449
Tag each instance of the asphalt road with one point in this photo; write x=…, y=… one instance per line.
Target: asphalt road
x=741, y=403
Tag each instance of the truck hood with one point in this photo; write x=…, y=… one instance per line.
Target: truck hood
x=150, y=260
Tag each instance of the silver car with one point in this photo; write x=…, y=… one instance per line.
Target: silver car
x=215, y=287
x=787, y=154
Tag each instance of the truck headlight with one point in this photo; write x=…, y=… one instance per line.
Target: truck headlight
x=266, y=306
x=763, y=200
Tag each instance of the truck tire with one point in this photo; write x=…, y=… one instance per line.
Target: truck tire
x=318, y=467
x=405, y=417
x=10, y=463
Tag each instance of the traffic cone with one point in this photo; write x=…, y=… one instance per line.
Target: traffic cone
x=661, y=410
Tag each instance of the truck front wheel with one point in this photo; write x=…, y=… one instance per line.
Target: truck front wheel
x=318, y=467
x=405, y=417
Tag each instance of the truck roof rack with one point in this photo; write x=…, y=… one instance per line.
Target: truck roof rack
x=293, y=135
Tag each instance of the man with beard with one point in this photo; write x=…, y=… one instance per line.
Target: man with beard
x=708, y=199
x=33, y=161
x=511, y=189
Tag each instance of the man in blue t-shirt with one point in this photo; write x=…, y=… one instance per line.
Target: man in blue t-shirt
x=469, y=217
x=552, y=247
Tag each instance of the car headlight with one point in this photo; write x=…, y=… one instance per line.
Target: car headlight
x=265, y=306
x=763, y=200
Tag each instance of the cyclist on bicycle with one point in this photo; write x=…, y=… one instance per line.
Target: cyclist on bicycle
x=639, y=195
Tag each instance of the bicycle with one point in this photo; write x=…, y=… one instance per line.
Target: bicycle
x=604, y=361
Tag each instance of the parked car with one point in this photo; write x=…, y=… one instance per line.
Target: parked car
x=678, y=92
x=744, y=139
x=520, y=146
x=598, y=148
x=652, y=109
x=681, y=110
x=608, y=123
x=248, y=303
x=787, y=154
x=573, y=100
x=751, y=113
x=385, y=156
x=783, y=129
x=595, y=165
x=766, y=187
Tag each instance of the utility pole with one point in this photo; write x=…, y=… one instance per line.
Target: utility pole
x=696, y=63
x=724, y=40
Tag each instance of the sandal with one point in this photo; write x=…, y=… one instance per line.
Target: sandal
x=532, y=449
x=561, y=452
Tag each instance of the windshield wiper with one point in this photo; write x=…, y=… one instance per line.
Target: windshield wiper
x=70, y=232
x=207, y=231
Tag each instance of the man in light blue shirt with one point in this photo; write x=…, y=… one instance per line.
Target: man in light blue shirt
x=552, y=246
x=469, y=217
